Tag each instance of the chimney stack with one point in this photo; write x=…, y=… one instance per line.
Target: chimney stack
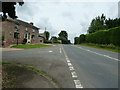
x=31, y=23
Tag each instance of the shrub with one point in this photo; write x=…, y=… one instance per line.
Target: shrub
x=110, y=36
x=24, y=41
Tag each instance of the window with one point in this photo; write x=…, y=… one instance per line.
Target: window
x=26, y=29
x=33, y=30
x=26, y=35
x=33, y=37
x=17, y=27
x=16, y=35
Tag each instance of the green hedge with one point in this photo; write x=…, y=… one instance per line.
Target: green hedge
x=110, y=36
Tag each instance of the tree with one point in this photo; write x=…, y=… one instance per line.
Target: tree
x=54, y=39
x=47, y=35
x=97, y=24
x=82, y=38
x=76, y=40
x=63, y=36
x=9, y=7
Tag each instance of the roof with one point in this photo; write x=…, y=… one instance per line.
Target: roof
x=23, y=23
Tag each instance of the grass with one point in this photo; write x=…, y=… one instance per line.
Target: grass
x=8, y=82
x=109, y=47
x=30, y=46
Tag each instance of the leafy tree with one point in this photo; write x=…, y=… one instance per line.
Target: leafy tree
x=47, y=35
x=9, y=7
x=63, y=36
x=97, y=24
x=82, y=38
x=76, y=40
x=54, y=39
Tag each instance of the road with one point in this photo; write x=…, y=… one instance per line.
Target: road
x=71, y=66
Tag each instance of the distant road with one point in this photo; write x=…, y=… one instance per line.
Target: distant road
x=71, y=66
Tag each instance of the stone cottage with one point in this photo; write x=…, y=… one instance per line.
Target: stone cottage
x=19, y=32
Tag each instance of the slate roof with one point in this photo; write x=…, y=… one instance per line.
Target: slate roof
x=23, y=23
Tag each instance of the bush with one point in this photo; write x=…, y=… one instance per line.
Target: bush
x=110, y=36
x=24, y=41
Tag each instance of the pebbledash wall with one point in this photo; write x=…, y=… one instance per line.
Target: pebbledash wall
x=25, y=30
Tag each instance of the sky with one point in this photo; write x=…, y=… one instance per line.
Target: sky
x=72, y=16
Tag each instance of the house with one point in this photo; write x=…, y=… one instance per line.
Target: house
x=41, y=35
x=19, y=32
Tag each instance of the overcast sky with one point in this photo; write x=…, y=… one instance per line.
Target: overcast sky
x=72, y=16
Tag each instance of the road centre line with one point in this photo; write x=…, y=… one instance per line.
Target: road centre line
x=69, y=64
x=73, y=73
x=99, y=54
x=78, y=84
x=60, y=50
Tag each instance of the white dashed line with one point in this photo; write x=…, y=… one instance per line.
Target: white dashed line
x=68, y=61
x=71, y=68
x=74, y=75
x=69, y=64
x=78, y=84
x=60, y=50
x=99, y=54
x=50, y=51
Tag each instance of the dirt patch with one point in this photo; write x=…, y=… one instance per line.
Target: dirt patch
x=15, y=76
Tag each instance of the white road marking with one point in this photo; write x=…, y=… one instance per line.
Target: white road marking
x=68, y=61
x=69, y=64
x=71, y=68
x=60, y=50
x=67, y=58
x=74, y=75
x=78, y=84
x=99, y=54
x=50, y=51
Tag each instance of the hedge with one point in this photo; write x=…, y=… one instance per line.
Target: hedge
x=110, y=36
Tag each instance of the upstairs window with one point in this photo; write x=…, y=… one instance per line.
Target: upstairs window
x=33, y=30
x=17, y=27
x=26, y=29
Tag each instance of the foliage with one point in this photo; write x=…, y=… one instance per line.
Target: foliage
x=47, y=35
x=76, y=40
x=8, y=7
x=63, y=36
x=97, y=24
x=80, y=39
x=54, y=39
x=47, y=41
x=30, y=46
x=109, y=47
x=101, y=23
x=24, y=41
x=110, y=36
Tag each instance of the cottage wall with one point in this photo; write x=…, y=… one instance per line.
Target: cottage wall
x=8, y=30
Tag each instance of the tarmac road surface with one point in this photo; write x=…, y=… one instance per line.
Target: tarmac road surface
x=71, y=66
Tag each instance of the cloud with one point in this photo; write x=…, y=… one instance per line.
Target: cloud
x=74, y=17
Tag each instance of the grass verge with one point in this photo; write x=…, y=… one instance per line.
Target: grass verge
x=109, y=47
x=30, y=46
x=10, y=74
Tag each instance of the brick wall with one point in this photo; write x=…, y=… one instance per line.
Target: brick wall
x=8, y=30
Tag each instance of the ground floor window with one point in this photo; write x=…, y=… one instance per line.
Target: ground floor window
x=33, y=37
x=16, y=35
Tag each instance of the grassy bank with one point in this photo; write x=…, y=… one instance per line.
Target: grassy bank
x=30, y=46
x=15, y=75
x=109, y=47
